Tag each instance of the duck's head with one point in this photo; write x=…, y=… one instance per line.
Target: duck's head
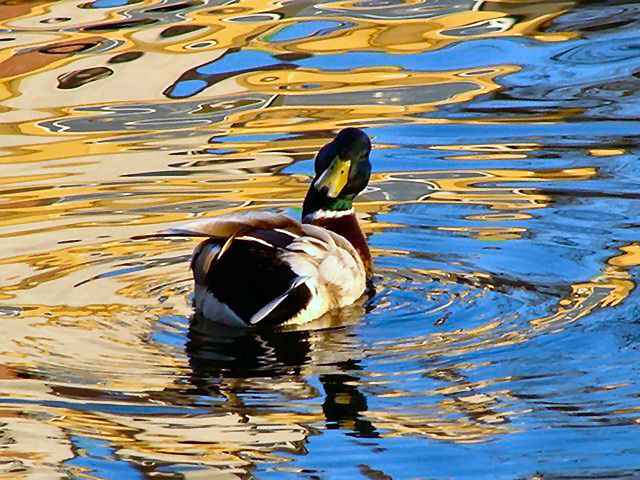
x=342, y=171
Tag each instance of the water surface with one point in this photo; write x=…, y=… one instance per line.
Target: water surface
x=502, y=341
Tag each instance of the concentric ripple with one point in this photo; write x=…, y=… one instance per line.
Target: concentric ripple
x=501, y=340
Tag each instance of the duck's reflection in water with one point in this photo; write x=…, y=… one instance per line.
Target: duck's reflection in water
x=243, y=365
x=344, y=404
x=220, y=351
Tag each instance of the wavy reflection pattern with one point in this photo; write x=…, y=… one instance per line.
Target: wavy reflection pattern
x=501, y=218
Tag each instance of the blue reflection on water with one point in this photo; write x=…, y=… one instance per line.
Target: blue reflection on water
x=98, y=459
x=243, y=60
x=108, y=3
x=187, y=88
x=303, y=29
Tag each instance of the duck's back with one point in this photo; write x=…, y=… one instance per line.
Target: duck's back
x=270, y=269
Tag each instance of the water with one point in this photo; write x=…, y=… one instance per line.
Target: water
x=502, y=341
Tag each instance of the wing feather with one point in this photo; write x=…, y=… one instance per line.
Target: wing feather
x=269, y=307
x=226, y=226
x=333, y=264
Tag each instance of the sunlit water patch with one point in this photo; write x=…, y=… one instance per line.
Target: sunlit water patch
x=501, y=340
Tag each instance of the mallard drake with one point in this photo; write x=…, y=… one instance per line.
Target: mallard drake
x=266, y=269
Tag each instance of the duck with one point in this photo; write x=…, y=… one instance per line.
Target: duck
x=265, y=269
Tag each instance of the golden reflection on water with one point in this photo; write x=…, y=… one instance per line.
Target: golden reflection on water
x=30, y=71
x=248, y=437
x=81, y=302
x=43, y=330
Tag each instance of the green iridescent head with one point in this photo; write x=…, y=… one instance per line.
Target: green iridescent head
x=342, y=172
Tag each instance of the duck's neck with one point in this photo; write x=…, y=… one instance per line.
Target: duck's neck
x=345, y=223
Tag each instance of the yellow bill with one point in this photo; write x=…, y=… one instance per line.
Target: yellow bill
x=335, y=177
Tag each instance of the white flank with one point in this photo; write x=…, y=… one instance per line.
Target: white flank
x=210, y=307
x=335, y=272
x=320, y=214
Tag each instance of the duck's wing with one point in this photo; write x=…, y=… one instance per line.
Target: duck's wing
x=267, y=268
x=242, y=278
x=226, y=226
x=333, y=268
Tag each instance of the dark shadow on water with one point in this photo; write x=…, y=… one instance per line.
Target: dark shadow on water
x=344, y=404
x=220, y=355
x=222, y=351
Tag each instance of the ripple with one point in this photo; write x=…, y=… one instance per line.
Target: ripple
x=600, y=52
x=82, y=77
x=501, y=216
